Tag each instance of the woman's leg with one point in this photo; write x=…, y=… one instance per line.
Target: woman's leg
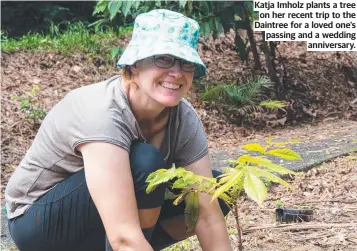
x=171, y=227
x=66, y=219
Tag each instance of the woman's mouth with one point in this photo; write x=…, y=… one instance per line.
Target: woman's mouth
x=170, y=85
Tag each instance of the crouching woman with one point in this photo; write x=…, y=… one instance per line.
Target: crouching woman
x=81, y=185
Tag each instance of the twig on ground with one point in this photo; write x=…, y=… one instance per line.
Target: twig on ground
x=9, y=101
x=300, y=226
x=331, y=200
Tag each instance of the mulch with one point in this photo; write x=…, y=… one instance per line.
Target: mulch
x=322, y=87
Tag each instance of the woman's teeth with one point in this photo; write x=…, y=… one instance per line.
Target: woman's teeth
x=170, y=85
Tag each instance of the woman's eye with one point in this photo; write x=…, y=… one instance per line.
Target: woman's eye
x=164, y=59
x=187, y=63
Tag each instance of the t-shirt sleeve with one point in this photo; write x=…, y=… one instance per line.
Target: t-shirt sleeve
x=192, y=141
x=94, y=123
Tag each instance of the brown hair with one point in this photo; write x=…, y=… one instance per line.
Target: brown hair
x=126, y=74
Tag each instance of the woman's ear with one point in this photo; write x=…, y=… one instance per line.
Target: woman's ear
x=134, y=68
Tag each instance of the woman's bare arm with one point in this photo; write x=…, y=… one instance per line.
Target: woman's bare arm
x=110, y=183
x=211, y=227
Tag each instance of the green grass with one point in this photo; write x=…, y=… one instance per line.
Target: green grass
x=76, y=37
x=185, y=245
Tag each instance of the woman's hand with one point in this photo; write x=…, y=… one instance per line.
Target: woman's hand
x=211, y=229
x=110, y=183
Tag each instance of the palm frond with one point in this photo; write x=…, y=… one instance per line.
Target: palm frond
x=214, y=93
x=245, y=94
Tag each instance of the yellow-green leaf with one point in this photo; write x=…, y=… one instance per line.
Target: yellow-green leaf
x=232, y=162
x=264, y=173
x=249, y=159
x=276, y=168
x=158, y=177
x=254, y=147
x=191, y=211
x=285, y=153
x=228, y=170
x=233, y=179
x=273, y=104
x=179, y=199
x=294, y=141
x=181, y=183
x=207, y=185
x=170, y=195
x=255, y=188
x=269, y=141
x=225, y=197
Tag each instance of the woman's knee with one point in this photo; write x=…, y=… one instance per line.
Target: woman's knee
x=145, y=159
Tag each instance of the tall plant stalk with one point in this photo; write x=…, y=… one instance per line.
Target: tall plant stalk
x=239, y=232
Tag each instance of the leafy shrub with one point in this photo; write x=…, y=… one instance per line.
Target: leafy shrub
x=246, y=175
x=31, y=105
x=244, y=94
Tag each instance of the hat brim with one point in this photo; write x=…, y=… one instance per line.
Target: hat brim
x=135, y=52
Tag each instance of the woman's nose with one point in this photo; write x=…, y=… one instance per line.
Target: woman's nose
x=175, y=70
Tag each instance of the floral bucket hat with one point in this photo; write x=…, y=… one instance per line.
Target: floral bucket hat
x=164, y=32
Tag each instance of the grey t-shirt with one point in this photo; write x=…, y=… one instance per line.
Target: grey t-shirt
x=96, y=112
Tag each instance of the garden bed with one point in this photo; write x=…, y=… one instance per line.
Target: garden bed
x=329, y=189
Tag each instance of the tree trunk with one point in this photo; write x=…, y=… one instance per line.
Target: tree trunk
x=252, y=42
x=271, y=69
x=239, y=232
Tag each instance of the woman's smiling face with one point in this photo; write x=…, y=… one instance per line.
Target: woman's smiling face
x=165, y=86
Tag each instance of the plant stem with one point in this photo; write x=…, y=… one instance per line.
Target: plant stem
x=240, y=246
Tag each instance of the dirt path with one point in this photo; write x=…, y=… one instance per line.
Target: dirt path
x=320, y=143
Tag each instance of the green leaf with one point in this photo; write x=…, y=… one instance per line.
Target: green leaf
x=190, y=5
x=182, y=183
x=158, y=3
x=137, y=4
x=255, y=188
x=261, y=161
x=232, y=162
x=218, y=28
x=294, y=141
x=100, y=7
x=269, y=141
x=179, y=199
x=273, y=104
x=204, y=8
x=114, y=7
x=249, y=159
x=254, y=147
x=226, y=198
x=275, y=168
x=206, y=185
x=182, y=3
x=170, y=195
x=228, y=170
x=285, y=153
x=206, y=30
x=25, y=103
x=35, y=89
x=227, y=182
x=114, y=52
x=266, y=174
x=191, y=211
x=158, y=177
x=126, y=6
